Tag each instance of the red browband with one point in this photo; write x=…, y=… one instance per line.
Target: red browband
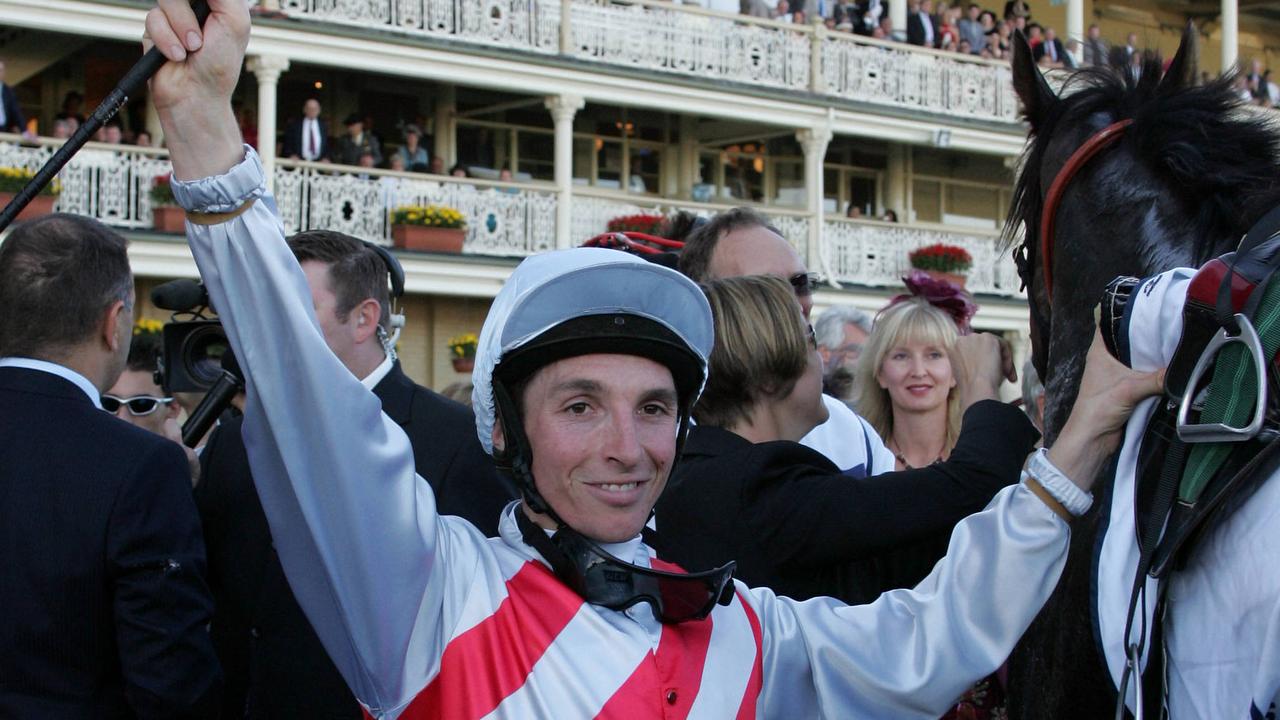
x=1101, y=140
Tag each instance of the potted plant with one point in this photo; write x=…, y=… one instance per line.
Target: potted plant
x=166, y=216
x=432, y=228
x=13, y=179
x=648, y=223
x=941, y=261
x=462, y=352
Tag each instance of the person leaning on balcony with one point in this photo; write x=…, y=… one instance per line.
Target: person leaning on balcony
x=307, y=137
x=357, y=142
x=415, y=156
x=1095, y=48
x=10, y=112
x=746, y=490
x=568, y=613
x=921, y=29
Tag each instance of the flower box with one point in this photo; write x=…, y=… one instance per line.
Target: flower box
x=428, y=239
x=39, y=206
x=648, y=223
x=169, y=219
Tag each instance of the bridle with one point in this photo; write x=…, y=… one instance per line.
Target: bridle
x=1099, y=141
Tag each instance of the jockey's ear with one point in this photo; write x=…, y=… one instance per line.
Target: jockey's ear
x=1034, y=92
x=1182, y=69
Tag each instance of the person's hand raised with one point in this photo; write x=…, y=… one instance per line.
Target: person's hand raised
x=980, y=362
x=192, y=92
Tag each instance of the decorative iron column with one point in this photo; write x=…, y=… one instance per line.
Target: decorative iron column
x=563, y=108
x=1230, y=22
x=1075, y=21
x=814, y=141
x=267, y=68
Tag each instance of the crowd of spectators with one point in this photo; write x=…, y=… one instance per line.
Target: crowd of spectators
x=966, y=29
x=1257, y=87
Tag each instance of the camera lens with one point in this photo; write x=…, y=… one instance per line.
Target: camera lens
x=202, y=354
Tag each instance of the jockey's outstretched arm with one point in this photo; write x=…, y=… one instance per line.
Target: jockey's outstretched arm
x=356, y=529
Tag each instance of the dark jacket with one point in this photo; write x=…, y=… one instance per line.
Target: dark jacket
x=915, y=29
x=293, y=141
x=274, y=662
x=795, y=524
x=103, y=604
x=13, y=121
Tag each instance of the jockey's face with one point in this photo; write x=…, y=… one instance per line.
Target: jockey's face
x=602, y=429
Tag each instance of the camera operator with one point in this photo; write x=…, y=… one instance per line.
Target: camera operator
x=274, y=663
x=137, y=399
x=104, y=600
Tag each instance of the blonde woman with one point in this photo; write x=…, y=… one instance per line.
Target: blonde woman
x=906, y=387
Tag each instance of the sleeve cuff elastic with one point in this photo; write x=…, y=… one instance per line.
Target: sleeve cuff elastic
x=223, y=193
x=1071, y=497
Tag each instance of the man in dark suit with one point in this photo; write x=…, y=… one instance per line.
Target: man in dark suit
x=307, y=137
x=10, y=112
x=1050, y=53
x=103, y=604
x=274, y=662
x=921, y=29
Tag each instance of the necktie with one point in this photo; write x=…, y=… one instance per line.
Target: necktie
x=310, y=131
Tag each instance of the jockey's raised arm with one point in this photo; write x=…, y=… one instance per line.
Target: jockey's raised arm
x=354, y=526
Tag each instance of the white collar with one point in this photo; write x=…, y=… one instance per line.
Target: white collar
x=61, y=371
x=371, y=380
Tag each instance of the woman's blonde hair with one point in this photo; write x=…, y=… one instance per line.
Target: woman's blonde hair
x=908, y=321
x=761, y=350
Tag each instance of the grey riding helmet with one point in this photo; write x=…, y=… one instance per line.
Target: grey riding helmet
x=584, y=301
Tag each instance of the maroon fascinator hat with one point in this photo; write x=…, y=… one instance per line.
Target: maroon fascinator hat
x=946, y=296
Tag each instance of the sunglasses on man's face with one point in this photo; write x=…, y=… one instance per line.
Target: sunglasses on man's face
x=803, y=283
x=139, y=405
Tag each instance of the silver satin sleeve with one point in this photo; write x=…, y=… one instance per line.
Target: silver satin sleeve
x=913, y=652
x=356, y=529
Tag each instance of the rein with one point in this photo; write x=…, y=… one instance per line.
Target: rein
x=1099, y=141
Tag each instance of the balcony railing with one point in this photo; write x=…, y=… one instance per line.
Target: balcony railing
x=875, y=253
x=659, y=37
x=112, y=183
x=502, y=219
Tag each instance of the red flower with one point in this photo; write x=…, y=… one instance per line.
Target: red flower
x=648, y=223
x=942, y=258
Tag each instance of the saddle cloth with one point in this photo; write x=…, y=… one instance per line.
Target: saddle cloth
x=1222, y=620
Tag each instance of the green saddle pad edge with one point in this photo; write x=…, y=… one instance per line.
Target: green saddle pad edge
x=1233, y=393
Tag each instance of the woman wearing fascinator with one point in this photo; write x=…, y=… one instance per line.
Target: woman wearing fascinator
x=909, y=393
x=906, y=387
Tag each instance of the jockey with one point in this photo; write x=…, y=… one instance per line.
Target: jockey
x=589, y=363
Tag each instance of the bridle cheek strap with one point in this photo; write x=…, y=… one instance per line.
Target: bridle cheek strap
x=1099, y=141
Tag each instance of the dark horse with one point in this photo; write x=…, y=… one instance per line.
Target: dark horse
x=1189, y=177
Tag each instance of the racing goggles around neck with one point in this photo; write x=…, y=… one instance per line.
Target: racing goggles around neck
x=139, y=405
x=602, y=579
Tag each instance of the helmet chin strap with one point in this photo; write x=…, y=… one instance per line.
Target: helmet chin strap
x=517, y=457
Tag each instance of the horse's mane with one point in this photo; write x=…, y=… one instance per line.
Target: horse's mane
x=1222, y=161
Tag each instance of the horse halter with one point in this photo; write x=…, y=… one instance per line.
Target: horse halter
x=1099, y=141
